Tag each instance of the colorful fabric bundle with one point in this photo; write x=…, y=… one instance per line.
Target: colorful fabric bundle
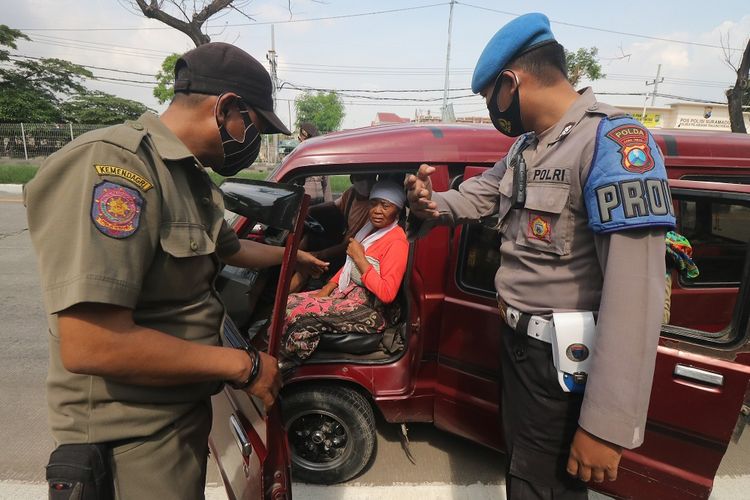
x=681, y=252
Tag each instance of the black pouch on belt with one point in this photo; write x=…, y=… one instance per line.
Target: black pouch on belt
x=80, y=472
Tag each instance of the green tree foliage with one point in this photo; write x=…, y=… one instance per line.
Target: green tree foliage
x=31, y=89
x=100, y=108
x=583, y=64
x=324, y=109
x=164, y=90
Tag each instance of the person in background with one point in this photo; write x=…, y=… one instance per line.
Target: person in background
x=316, y=186
x=356, y=299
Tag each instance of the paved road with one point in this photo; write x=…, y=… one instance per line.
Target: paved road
x=447, y=467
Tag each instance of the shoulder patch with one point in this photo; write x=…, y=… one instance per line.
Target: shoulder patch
x=116, y=210
x=128, y=175
x=627, y=184
x=634, y=149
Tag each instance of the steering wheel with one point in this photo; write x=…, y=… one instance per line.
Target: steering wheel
x=312, y=225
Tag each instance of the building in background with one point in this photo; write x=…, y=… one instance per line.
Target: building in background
x=686, y=115
x=388, y=119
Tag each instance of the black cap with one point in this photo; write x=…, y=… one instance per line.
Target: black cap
x=308, y=129
x=216, y=68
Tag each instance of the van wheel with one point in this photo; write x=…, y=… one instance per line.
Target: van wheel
x=331, y=433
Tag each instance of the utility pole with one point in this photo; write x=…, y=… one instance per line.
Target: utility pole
x=655, y=82
x=271, y=56
x=289, y=109
x=445, y=116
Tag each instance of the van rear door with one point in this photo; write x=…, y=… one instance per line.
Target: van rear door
x=248, y=443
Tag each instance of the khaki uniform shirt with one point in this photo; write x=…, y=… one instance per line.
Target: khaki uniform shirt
x=127, y=216
x=553, y=262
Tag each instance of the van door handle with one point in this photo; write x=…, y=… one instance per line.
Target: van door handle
x=240, y=437
x=699, y=375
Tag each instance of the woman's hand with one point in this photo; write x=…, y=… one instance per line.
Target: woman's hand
x=308, y=264
x=356, y=251
x=327, y=290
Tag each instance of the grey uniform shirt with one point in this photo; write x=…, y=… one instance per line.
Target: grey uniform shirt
x=553, y=262
x=127, y=216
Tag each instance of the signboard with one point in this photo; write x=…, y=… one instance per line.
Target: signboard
x=653, y=120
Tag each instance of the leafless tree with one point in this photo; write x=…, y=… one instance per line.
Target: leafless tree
x=189, y=16
x=738, y=95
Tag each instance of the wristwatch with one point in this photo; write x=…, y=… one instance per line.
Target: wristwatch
x=251, y=351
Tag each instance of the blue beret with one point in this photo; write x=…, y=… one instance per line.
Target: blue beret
x=518, y=36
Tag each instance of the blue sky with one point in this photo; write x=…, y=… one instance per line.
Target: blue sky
x=400, y=50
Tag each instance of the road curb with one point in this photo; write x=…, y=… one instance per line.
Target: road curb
x=11, y=188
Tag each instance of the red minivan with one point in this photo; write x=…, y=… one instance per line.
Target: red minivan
x=440, y=363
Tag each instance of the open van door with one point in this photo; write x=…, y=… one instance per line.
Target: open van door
x=249, y=444
x=700, y=390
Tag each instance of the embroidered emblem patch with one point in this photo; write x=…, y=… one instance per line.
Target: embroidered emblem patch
x=136, y=179
x=577, y=352
x=540, y=228
x=116, y=209
x=634, y=148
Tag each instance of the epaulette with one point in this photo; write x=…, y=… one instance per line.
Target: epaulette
x=128, y=135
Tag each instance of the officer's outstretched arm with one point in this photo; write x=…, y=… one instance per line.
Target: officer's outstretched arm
x=103, y=340
x=257, y=255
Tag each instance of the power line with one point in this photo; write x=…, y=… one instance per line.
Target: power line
x=288, y=21
x=604, y=30
x=97, y=43
x=86, y=66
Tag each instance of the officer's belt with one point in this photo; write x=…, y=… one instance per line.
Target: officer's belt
x=535, y=327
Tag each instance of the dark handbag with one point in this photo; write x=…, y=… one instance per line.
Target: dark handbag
x=80, y=472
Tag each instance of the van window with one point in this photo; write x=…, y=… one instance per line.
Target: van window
x=719, y=233
x=478, y=260
x=702, y=308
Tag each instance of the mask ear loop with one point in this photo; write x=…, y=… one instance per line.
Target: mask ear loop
x=243, y=111
x=496, y=88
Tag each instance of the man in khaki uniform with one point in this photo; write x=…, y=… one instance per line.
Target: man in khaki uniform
x=582, y=205
x=129, y=232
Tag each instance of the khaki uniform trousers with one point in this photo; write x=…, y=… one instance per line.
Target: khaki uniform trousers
x=169, y=465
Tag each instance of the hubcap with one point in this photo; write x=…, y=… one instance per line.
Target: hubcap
x=319, y=440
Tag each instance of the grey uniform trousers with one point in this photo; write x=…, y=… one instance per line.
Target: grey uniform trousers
x=539, y=421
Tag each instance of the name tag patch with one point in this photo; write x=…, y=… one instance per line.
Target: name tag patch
x=116, y=209
x=136, y=179
x=550, y=175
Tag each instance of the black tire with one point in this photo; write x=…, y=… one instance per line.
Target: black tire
x=331, y=433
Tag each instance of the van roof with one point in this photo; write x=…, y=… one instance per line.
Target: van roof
x=481, y=144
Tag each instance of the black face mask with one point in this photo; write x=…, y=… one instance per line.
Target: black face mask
x=507, y=122
x=239, y=154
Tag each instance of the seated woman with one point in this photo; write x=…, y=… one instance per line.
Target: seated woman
x=358, y=298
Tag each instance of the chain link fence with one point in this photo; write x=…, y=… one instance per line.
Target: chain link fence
x=39, y=140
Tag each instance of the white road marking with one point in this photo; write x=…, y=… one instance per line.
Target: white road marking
x=725, y=488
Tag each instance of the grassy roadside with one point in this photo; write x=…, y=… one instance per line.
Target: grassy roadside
x=12, y=173
x=17, y=173
x=21, y=174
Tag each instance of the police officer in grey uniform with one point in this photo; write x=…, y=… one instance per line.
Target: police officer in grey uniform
x=130, y=234
x=583, y=206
